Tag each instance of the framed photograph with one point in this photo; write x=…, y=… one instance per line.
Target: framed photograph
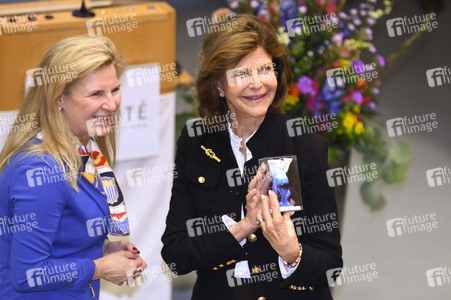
x=281, y=175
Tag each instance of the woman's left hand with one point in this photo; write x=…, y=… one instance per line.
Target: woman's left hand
x=278, y=229
x=110, y=247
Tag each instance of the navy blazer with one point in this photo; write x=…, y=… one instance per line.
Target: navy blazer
x=50, y=233
x=205, y=189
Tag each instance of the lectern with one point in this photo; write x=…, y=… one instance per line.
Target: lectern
x=144, y=32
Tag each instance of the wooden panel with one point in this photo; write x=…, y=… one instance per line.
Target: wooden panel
x=153, y=40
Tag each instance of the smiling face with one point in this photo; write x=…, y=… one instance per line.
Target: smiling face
x=250, y=86
x=90, y=105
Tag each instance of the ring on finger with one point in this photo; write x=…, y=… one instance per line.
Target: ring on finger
x=260, y=221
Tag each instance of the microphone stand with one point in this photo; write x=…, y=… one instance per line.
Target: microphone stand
x=83, y=12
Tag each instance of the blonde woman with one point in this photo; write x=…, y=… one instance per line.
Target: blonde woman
x=58, y=195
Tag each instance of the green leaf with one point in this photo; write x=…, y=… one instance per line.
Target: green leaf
x=400, y=153
x=395, y=173
x=372, y=196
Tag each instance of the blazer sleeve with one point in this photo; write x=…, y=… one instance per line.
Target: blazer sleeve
x=32, y=255
x=185, y=253
x=321, y=250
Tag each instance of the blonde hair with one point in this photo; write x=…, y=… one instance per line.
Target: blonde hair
x=84, y=54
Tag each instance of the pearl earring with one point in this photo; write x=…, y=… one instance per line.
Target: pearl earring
x=60, y=108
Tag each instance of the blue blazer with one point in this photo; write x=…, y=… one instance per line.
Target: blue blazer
x=49, y=233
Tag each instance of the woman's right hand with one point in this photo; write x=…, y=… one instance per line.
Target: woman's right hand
x=248, y=225
x=117, y=267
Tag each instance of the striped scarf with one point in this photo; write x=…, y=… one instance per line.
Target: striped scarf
x=99, y=173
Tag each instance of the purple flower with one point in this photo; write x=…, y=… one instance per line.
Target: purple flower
x=353, y=11
x=254, y=4
x=372, y=49
x=376, y=91
x=358, y=66
x=342, y=15
x=369, y=33
x=372, y=106
x=234, y=4
x=357, y=96
x=381, y=60
x=371, y=21
x=302, y=9
x=351, y=27
x=305, y=85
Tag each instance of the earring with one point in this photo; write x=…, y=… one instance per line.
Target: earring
x=60, y=108
x=221, y=94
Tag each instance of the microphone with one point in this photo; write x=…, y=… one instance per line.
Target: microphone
x=83, y=12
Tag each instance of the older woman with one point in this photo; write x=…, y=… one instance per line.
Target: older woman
x=58, y=195
x=219, y=225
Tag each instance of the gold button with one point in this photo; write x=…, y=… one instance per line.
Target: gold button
x=256, y=270
x=229, y=263
x=252, y=238
x=311, y=288
x=201, y=179
x=261, y=298
x=221, y=265
x=233, y=261
x=292, y=287
x=215, y=268
x=303, y=288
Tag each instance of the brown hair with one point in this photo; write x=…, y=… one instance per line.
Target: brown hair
x=223, y=49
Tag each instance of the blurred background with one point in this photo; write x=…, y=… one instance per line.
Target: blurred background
x=402, y=260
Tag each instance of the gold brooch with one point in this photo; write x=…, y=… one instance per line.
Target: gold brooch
x=210, y=153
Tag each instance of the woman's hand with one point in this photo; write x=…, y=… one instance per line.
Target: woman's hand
x=278, y=229
x=118, y=267
x=249, y=225
x=110, y=247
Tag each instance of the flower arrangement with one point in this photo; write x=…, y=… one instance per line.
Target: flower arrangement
x=336, y=71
